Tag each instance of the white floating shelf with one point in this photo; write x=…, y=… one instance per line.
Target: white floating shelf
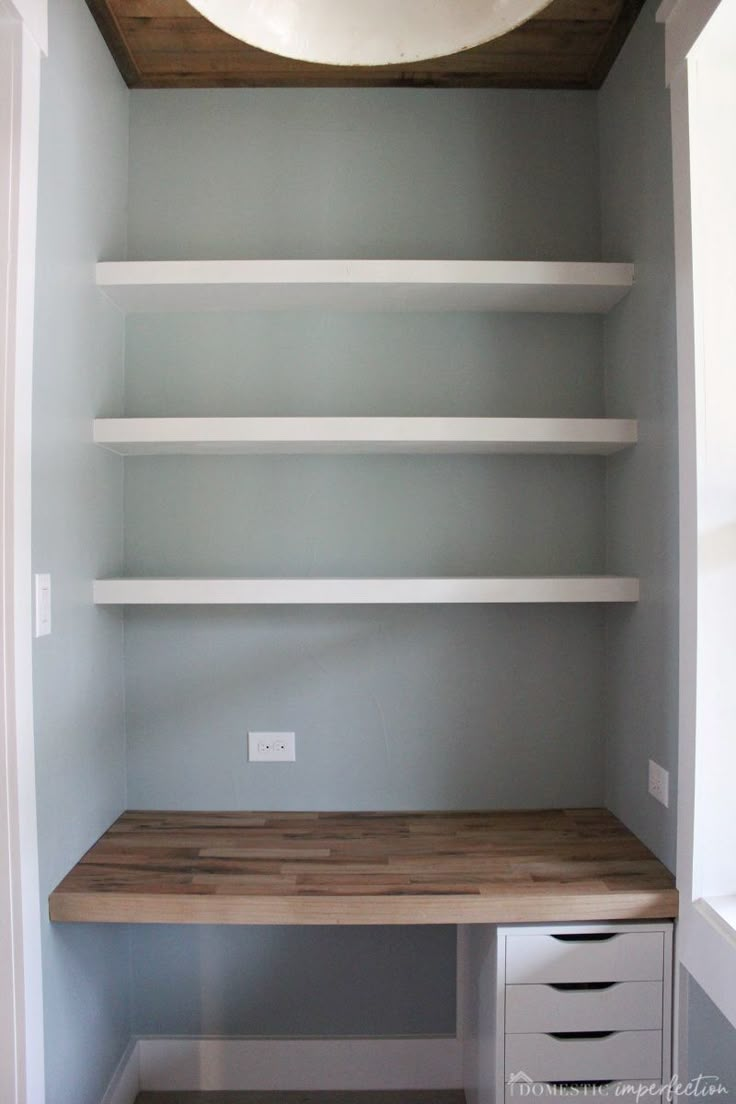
x=363, y=591
x=373, y=285
x=152, y=436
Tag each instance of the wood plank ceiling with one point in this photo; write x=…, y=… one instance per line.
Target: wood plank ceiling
x=167, y=44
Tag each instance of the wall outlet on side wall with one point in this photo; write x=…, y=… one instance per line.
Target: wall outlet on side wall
x=659, y=783
x=271, y=747
x=43, y=605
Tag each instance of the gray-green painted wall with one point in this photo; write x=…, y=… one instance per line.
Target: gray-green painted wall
x=641, y=362
x=711, y=1042
x=77, y=533
x=642, y=486
x=363, y=173
x=393, y=708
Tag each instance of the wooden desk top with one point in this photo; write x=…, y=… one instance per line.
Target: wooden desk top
x=365, y=868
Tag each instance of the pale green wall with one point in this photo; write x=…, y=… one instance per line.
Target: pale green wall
x=423, y=708
x=642, y=485
x=711, y=1044
x=363, y=173
x=393, y=708
x=77, y=534
x=276, y=981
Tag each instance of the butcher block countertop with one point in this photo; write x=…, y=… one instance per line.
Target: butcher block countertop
x=365, y=868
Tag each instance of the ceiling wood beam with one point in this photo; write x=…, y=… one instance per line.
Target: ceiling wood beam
x=166, y=44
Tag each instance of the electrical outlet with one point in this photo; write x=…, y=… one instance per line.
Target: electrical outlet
x=43, y=605
x=659, y=783
x=271, y=747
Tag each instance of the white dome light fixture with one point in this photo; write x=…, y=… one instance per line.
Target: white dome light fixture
x=367, y=32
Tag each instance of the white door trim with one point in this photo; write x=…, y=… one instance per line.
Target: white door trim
x=706, y=945
x=21, y=999
x=684, y=22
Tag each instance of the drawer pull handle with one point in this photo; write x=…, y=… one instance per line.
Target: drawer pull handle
x=578, y=1084
x=566, y=986
x=586, y=937
x=581, y=1034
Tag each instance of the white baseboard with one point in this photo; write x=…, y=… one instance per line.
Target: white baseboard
x=125, y=1083
x=170, y=1064
x=297, y=1064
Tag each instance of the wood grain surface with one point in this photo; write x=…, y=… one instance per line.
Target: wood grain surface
x=168, y=44
x=417, y=1096
x=365, y=868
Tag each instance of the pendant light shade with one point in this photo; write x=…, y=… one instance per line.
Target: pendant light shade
x=366, y=32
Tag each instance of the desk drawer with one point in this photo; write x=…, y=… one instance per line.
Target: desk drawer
x=620, y=1056
x=623, y=1006
x=618, y=1092
x=623, y=956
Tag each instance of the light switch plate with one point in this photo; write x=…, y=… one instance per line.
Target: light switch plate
x=271, y=747
x=43, y=605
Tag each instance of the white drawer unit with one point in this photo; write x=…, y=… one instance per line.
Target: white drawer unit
x=585, y=956
x=618, y=1006
x=569, y=1007
x=619, y=1092
x=593, y=1056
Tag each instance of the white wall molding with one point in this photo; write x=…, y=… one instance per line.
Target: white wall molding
x=680, y=105
x=684, y=21
x=21, y=997
x=706, y=943
x=707, y=950
x=125, y=1083
x=186, y=1064
x=224, y=1065
x=33, y=14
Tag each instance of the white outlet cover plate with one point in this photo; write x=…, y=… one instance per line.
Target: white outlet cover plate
x=43, y=605
x=271, y=747
x=659, y=783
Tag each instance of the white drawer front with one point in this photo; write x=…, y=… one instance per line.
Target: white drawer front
x=626, y=956
x=618, y=1092
x=623, y=1056
x=626, y=1005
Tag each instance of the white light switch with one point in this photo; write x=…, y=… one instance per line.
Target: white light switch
x=271, y=747
x=43, y=605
